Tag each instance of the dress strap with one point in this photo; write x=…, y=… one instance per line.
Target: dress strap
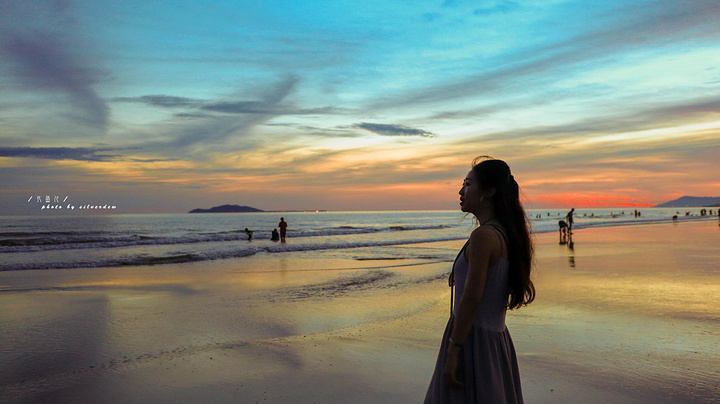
x=451, y=278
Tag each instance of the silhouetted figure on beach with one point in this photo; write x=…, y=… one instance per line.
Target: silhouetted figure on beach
x=563, y=227
x=491, y=274
x=569, y=219
x=566, y=238
x=275, y=235
x=283, y=228
x=249, y=233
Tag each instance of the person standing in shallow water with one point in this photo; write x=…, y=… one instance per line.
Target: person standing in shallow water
x=569, y=219
x=477, y=361
x=283, y=228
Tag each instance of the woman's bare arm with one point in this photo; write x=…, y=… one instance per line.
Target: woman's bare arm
x=483, y=248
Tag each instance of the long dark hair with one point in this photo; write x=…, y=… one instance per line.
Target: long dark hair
x=492, y=173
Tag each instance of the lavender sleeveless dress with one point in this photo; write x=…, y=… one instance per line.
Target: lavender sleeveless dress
x=487, y=362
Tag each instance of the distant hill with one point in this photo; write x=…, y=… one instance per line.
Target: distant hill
x=691, y=201
x=227, y=209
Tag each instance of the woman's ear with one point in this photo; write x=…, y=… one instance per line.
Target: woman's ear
x=489, y=193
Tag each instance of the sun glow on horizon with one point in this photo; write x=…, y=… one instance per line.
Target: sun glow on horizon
x=660, y=134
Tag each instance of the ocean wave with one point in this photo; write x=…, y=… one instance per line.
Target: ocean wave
x=56, y=241
x=149, y=249
x=142, y=258
x=23, y=242
x=100, y=242
x=622, y=221
x=408, y=228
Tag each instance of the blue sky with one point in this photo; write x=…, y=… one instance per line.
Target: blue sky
x=164, y=107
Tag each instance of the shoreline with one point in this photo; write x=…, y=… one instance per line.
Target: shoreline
x=110, y=258
x=567, y=208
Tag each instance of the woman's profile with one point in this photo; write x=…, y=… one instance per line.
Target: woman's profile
x=477, y=361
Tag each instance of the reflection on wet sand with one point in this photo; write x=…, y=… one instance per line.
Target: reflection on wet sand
x=566, y=239
x=630, y=316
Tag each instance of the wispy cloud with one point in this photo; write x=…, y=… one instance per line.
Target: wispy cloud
x=542, y=65
x=241, y=107
x=165, y=101
x=340, y=132
x=268, y=104
x=61, y=153
x=139, y=160
x=450, y=3
x=600, y=125
x=501, y=7
x=193, y=115
x=211, y=132
x=392, y=130
x=258, y=107
x=42, y=55
x=219, y=126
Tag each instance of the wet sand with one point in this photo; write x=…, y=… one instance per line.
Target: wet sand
x=628, y=315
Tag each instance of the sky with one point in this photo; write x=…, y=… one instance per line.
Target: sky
x=163, y=107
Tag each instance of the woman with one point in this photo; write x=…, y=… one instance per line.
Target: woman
x=477, y=362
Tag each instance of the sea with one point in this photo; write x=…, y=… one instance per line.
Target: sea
x=73, y=240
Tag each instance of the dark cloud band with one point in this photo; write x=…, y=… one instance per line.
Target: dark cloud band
x=59, y=153
x=392, y=130
x=165, y=101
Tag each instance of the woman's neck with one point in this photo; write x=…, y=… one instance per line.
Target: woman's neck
x=485, y=216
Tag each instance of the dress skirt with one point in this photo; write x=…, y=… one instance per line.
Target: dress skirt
x=487, y=366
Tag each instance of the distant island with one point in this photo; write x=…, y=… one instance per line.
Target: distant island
x=692, y=201
x=227, y=209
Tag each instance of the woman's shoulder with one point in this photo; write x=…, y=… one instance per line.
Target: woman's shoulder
x=485, y=237
x=484, y=242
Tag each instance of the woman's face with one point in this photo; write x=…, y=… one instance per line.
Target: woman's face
x=470, y=198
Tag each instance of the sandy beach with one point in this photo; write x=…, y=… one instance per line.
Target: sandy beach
x=628, y=315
